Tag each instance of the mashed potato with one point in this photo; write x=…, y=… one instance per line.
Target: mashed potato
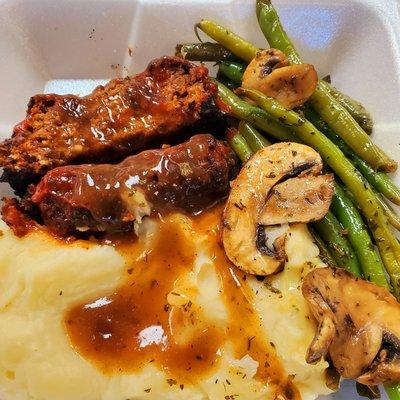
x=40, y=279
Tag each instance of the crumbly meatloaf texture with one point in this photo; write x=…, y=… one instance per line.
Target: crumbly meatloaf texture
x=118, y=119
x=102, y=197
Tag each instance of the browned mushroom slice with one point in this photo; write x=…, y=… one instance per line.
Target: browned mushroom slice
x=291, y=85
x=245, y=242
x=298, y=200
x=365, y=341
x=263, y=64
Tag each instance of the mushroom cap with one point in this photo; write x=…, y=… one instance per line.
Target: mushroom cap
x=241, y=234
x=264, y=63
x=358, y=326
x=297, y=199
x=270, y=73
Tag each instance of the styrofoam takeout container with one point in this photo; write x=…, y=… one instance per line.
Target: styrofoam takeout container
x=70, y=46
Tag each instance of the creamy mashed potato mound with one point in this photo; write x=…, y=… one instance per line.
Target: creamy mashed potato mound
x=41, y=279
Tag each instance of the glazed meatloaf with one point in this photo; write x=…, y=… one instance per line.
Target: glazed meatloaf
x=128, y=114
x=102, y=197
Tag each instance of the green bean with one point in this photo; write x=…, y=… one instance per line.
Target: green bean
x=324, y=253
x=343, y=124
x=254, y=139
x=273, y=31
x=379, y=180
x=276, y=36
x=225, y=81
x=391, y=215
x=215, y=52
x=390, y=260
x=205, y=51
x=254, y=115
x=387, y=254
x=232, y=71
x=238, y=46
x=392, y=390
x=332, y=234
x=335, y=158
x=337, y=117
x=239, y=145
x=357, y=233
x=242, y=47
x=355, y=108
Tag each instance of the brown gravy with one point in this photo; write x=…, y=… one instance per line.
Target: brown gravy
x=132, y=327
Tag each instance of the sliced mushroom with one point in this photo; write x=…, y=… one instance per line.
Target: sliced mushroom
x=291, y=85
x=298, y=200
x=358, y=326
x=263, y=64
x=245, y=240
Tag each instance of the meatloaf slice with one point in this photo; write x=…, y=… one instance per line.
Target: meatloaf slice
x=115, y=120
x=103, y=197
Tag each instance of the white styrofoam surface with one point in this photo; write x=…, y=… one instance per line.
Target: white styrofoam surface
x=71, y=46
